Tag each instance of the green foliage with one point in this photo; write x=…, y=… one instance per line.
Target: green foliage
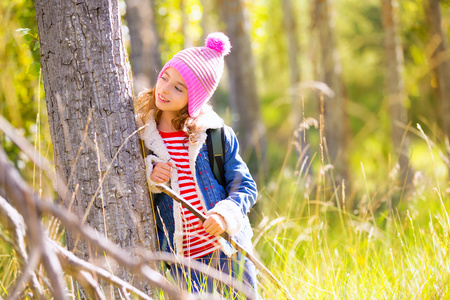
x=21, y=93
x=324, y=243
x=170, y=27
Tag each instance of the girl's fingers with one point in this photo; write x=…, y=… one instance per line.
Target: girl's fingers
x=163, y=167
x=160, y=176
x=161, y=172
x=156, y=179
x=213, y=226
x=164, y=177
x=209, y=224
x=216, y=231
x=161, y=180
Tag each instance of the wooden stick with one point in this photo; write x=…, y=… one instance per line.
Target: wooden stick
x=168, y=191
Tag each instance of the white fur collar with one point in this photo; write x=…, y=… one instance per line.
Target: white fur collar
x=154, y=142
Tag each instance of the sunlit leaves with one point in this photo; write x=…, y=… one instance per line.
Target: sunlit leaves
x=21, y=96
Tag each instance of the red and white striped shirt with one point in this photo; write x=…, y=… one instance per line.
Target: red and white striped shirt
x=196, y=241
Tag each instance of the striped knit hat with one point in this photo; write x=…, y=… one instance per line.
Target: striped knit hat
x=201, y=69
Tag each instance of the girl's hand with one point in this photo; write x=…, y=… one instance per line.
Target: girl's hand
x=215, y=224
x=161, y=172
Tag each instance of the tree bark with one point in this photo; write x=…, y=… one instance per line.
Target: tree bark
x=244, y=101
x=395, y=85
x=336, y=128
x=145, y=57
x=91, y=116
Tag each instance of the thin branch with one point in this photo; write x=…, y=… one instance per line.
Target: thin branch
x=89, y=284
x=33, y=155
x=124, y=293
x=23, y=198
x=315, y=85
x=24, y=277
x=198, y=266
x=54, y=270
x=25, y=146
x=73, y=264
x=117, y=253
x=16, y=227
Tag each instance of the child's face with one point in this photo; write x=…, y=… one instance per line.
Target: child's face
x=171, y=92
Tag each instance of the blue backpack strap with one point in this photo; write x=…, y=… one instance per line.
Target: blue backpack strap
x=215, y=142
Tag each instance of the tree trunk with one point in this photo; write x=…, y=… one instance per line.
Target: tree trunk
x=336, y=129
x=297, y=113
x=91, y=115
x=145, y=57
x=439, y=62
x=244, y=100
x=188, y=43
x=292, y=35
x=209, y=18
x=394, y=83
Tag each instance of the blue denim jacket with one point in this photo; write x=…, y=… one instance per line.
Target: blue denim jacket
x=240, y=186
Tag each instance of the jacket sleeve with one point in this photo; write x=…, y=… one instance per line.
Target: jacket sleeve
x=240, y=186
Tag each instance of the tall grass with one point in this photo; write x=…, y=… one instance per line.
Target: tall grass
x=407, y=260
x=361, y=252
x=321, y=246
x=321, y=250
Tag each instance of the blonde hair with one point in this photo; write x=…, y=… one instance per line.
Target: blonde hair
x=146, y=103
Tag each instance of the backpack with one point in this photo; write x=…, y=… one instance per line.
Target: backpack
x=215, y=141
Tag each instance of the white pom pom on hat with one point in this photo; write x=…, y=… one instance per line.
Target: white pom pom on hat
x=219, y=42
x=201, y=69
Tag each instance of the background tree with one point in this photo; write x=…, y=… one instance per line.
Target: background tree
x=439, y=63
x=285, y=233
x=294, y=54
x=185, y=25
x=209, y=18
x=244, y=101
x=395, y=88
x=144, y=55
x=330, y=72
x=90, y=108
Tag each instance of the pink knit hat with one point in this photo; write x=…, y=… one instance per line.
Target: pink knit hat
x=201, y=69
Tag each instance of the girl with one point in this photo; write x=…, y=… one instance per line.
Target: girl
x=177, y=115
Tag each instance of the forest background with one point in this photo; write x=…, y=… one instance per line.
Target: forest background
x=340, y=218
